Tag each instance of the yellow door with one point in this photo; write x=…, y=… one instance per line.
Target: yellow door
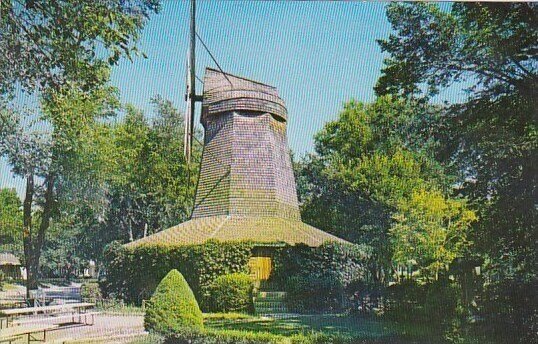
x=260, y=268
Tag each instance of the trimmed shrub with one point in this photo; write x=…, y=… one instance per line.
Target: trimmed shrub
x=232, y=293
x=173, y=306
x=90, y=292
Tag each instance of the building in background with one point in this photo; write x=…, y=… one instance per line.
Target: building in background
x=11, y=266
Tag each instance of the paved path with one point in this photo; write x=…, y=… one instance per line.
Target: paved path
x=105, y=326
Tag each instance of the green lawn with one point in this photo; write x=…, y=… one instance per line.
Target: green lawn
x=352, y=326
x=362, y=328
x=366, y=330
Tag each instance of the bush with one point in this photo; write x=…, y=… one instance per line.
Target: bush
x=433, y=303
x=307, y=294
x=222, y=337
x=348, y=262
x=232, y=293
x=2, y=278
x=302, y=272
x=173, y=306
x=132, y=274
x=510, y=305
x=90, y=292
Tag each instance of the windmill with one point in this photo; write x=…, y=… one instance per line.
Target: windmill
x=246, y=189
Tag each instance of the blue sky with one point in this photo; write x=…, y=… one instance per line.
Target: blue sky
x=318, y=54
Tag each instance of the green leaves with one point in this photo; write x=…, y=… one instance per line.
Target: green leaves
x=133, y=274
x=232, y=293
x=494, y=45
x=173, y=307
x=430, y=231
x=10, y=220
x=489, y=142
x=151, y=186
x=51, y=43
x=370, y=164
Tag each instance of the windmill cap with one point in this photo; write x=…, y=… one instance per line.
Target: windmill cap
x=225, y=92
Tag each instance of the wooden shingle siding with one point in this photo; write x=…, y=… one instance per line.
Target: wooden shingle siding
x=246, y=166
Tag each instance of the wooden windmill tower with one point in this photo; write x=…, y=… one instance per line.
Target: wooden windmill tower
x=246, y=189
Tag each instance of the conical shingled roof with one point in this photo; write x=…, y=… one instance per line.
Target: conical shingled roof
x=262, y=230
x=246, y=190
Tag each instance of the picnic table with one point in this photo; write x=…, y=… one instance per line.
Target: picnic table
x=75, y=308
x=12, y=334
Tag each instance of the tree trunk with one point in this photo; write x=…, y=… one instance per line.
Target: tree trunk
x=33, y=245
x=27, y=233
x=131, y=236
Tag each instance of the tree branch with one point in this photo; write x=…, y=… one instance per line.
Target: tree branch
x=526, y=71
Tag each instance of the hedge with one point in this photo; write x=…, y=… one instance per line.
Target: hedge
x=212, y=336
x=223, y=337
x=173, y=306
x=132, y=274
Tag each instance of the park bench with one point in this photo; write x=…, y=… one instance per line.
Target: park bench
x=9, y=335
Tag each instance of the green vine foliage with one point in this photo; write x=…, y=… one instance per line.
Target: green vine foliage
x=347, y=261
x=134, y=273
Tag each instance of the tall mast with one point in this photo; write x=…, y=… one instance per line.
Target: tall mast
x=190, y=95
x=192, y=71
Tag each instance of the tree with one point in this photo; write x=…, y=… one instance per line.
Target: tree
x=60, y=50
x=48, y=157
x=490, y=139
x=10, y=220
x=368, y=163
x=128, y=179
x=430, y=231
x=156, y=194
x=494, y=45
x=48, y=43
